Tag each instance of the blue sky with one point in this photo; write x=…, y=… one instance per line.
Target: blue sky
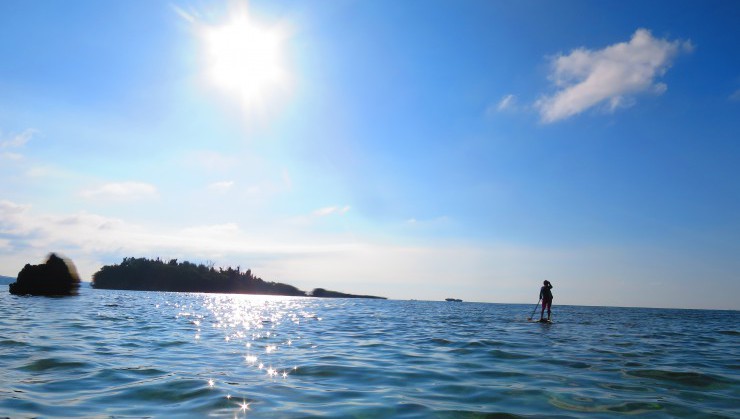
x=409, y=149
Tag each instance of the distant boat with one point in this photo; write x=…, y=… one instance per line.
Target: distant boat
x=456, y=300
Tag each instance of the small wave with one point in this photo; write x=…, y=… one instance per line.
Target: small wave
x=13, y=343
x=143, y=371
x=162, y=390
x=499, y=354
x=693, y=379
x=47, y=364
x=588, y=406
x=171, y=343
x=624, y=387
x=483, y=344
x=568, y=363
x=492, y=374
x=320, y=371
x=475, y=414
x=635, y=408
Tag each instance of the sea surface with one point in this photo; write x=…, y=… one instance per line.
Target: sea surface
x=149, y=354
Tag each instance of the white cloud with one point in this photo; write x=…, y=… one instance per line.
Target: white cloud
x=610, y=76
x=735, y=96
x=188, y=16
x=212, y=160
x=10, y=213
x=125, y=191
x=305, y=220
x=213, y=231
x=28, y=235
x=471, y=271
x=221, y=187
x=507, y=102
x=18, y=140
x=431, y=222
x=11, y=156
x=23, y=228
x=15, y=142
x=45, y=172
x=323, y=212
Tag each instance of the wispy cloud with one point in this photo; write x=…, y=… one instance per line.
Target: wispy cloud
x=507, y=102
x=123, y=191
x=437, y=221
x=14, y=142
x=735, y=96
x=17, y=140
x=503, y=273
x=188, y=16
x=323, y=212
x=610, y=76
x=28, y=234
x=327, y=213
x=23, y=228
x=221, y=187
x=210, y=160
x=218, y=231
x=10, y=155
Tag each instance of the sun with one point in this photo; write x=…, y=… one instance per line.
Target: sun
x=244, y=58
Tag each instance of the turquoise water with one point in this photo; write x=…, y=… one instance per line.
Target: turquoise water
x=146, y=354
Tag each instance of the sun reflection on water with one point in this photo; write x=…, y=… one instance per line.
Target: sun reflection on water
x=262, y=333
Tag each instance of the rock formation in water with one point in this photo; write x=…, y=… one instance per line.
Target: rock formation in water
x=57, y=276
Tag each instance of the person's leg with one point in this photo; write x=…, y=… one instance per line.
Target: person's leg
x=549, y=312
x=545, y=305
x=542, y=312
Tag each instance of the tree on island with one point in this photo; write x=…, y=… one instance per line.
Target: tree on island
x=143, y=274
x=156, y=275
x=320, y=292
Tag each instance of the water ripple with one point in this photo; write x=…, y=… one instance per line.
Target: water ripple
x=115, y=353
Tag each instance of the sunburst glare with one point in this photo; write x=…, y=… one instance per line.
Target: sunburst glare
x=245, y=58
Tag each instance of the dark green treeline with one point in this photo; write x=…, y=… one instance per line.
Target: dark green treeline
x=156, y=275
x=143, y=274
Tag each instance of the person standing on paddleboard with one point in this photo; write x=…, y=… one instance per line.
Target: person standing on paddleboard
x=546, y=297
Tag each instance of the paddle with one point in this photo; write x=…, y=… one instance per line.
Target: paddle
x=535, y=309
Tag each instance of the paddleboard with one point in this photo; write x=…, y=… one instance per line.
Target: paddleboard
x=542, y=321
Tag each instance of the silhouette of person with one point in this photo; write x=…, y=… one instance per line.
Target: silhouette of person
x=546, y=297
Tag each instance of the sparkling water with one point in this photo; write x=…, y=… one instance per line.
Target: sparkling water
x=149, y=354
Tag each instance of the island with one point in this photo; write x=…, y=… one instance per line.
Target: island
x=56, y=277
x=142, y=274
x=7, y=280
x=453, y=300
x=320, y=292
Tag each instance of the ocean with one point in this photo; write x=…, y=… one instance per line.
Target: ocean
x=149, y=354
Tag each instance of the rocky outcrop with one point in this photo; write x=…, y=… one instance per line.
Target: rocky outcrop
x=322, y=293
x=57, y=276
